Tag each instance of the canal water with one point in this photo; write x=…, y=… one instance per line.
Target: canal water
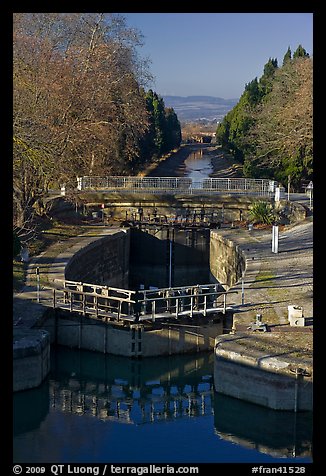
x=165, y=257
x=198, y=165
x=96, y=408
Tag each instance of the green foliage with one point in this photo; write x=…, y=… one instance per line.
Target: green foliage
x=266, y=81
x=287, y=56
x=262, y=212
x=164, y=131
x=232, y=131
x=270, y=128
x=173, y=129
x=300, y=52
x=298, y=166
x=254, y=93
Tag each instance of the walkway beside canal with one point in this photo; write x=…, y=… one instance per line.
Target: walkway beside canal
x=273, y=282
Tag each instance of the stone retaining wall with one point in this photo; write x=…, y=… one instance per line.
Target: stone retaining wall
x=227, y=261
x=256, y=385
x=135, y=341
x=103, y=261
x=31, y=358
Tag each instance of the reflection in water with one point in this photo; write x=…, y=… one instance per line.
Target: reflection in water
x=278, y=433
x=92, y=403
x=36, y=401
x=133, y=391
x=198, y=166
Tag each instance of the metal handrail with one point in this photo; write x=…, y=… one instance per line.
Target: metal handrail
x=177, y=185
x=77, y=296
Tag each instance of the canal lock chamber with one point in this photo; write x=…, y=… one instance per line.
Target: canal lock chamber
x=168, y=257
x=142, y=258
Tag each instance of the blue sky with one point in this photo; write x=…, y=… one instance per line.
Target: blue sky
x=216, y=54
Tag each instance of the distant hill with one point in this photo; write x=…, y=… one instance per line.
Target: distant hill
x=195, y=108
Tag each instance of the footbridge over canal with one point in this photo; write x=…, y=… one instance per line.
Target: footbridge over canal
x=107, y=303
x=178, y=185
x=185, y=197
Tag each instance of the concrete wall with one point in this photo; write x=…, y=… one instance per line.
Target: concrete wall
x=89, y=334
x=227, y=262
x=103, y=261
x=180, y=339
x=228, y=208
x=269, y=389
x=31, y=358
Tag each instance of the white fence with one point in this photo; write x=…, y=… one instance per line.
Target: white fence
x=176, y=185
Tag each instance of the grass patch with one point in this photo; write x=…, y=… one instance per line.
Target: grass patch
x=51, y=238
x=265, y=277
x=53, y=233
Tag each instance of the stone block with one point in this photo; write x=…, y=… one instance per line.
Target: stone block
x=295, y=312
x=298, y=321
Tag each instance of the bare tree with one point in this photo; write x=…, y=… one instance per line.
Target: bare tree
x=78, y=104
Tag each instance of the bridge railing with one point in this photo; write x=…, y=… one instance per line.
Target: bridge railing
x=120, y=304
x=174, y=185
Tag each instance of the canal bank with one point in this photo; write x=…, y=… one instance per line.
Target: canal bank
x=271, y=284
x=99, y=258
x=261, y=286
x=271, y=359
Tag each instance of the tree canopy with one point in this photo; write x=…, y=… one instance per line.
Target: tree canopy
x=80, y=106
x=270, y=128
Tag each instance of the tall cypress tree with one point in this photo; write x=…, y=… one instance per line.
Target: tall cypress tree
x=253, y=92
x=287, y=56
x=266, y=80
x=300, y=52
x=172, y=129
x=159, y=123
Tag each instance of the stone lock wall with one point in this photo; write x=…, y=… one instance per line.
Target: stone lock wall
x=103, y=261
x=31, y=358
x=227, y=262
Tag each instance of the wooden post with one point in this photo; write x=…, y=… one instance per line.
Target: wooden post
x=54, y=303
x=205, y=305
x=96, y=306
x=70, y=301
x=84, y=299
x=119, y=310
x=176, y=308
x=38, y=283
x=224, y=303
x=153, y=310
x=191, y=306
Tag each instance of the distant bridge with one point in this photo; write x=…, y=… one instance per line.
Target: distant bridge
x=179, y=185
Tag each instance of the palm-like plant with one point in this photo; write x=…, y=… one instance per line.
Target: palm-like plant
x=262, y=212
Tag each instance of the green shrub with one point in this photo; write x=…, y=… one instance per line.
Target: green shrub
x=262, y=212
